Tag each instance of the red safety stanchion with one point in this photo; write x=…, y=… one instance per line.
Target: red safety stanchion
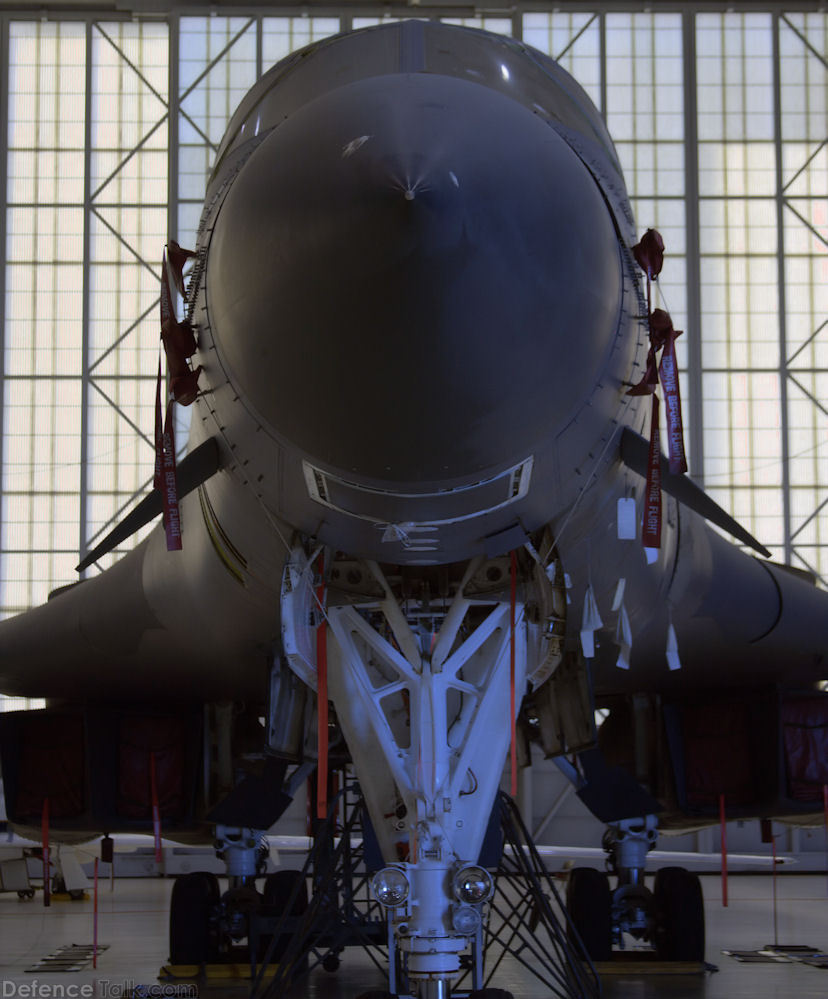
x=723, y=823
x=95, y=920
x=44, y=834
x=156, y=811
x=322, y=696
x=512, y=704
x=825, y=814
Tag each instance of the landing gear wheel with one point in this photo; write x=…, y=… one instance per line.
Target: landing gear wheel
x=491, y=994
x=194, y=898
x=679, y=910
x=376, y=994
x=278, y=888
x=588, y=903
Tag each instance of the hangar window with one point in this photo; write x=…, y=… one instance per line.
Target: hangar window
x=108, y=129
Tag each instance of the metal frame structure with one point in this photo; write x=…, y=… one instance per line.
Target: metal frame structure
x=341, y=912
x=528, y=919
x=525, y=919
x=595, y=38
x=419, y=693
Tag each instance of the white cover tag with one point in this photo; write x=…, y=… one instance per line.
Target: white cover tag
x=394, y=532
x=623, y=635
x=673, y=660
x=626, y=519
x=590, y=623
x=618, y=599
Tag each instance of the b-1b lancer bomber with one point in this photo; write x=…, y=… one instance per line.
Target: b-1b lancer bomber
x=424, y=515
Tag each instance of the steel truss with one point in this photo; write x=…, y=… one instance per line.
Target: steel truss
x=527, y=919
x=798, y=377
x=341, y=912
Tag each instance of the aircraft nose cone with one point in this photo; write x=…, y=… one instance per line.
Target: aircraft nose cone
x=414, y=279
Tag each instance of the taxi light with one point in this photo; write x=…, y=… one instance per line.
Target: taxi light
x=472, y=884
x=391, y=886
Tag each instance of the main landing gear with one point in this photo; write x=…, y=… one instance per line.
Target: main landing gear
x=670, y=917
x=207, y=927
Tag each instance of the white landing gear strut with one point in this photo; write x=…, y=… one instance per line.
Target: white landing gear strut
x=423, y=698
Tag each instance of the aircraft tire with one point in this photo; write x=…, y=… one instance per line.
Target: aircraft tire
x=491, y=994
x=679, y=909
x=331, y=963
x=193, y=897
x=589, y=905
x=278, y=888
x=376, y=994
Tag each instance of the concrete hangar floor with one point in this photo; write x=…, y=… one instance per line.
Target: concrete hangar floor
x=133, y=926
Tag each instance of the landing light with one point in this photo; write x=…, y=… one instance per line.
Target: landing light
x=465, y=920
x=391, y=886
x=472, y=884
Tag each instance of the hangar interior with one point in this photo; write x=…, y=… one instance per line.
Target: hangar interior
x=109, y=123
